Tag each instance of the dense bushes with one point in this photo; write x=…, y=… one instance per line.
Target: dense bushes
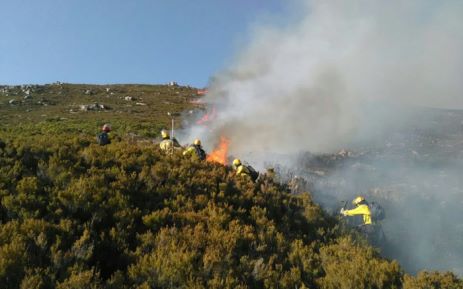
x=433, y=280
x=77, y=215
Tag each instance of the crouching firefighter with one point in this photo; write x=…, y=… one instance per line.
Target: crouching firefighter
x=370, y=214
x=103, y=137
x=195, y=150
x=243, y=170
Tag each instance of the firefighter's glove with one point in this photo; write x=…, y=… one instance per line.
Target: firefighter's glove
x=343, y=212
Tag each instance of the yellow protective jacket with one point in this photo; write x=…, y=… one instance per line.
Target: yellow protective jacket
x=363, y=210
x=190, y=151
x=166, y=144
x=242, y=171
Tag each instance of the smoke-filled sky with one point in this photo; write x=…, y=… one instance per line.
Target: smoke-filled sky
x=344, y=70
x=360, y=75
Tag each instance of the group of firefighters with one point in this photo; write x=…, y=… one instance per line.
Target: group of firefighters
x=168, y=144
x=194, y=150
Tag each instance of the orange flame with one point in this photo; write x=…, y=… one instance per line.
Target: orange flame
x=201, y=92
x=219, y=155
x=207, y=117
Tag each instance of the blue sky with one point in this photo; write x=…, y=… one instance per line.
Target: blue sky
x=122, y=41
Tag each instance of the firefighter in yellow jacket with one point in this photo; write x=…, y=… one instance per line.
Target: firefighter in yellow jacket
x=245, y=170
x=241, y=170
x=361, y=208
x=168, y=144
x=369, y=227
x=195, y=150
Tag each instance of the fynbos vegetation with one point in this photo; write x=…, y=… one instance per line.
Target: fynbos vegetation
x=78, y=215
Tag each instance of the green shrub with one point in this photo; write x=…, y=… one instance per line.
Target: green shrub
x=78, y=215
x=433, y=280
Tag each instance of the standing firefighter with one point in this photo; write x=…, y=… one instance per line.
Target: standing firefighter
x=103, y=137
x=195, y=150
x=168, y=144
x=371, y=213
x=361, y=208
x=242, y=170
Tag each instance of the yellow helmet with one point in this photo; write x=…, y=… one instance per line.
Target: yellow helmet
x=164, y=133
x=358, y=200
x=236, y=162
x=197, y=142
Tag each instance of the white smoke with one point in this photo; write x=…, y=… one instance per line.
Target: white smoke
x=344, y=75
x=322, y=82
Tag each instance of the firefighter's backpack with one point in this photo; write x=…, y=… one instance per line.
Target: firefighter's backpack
x=253, y=173
x=103, y=139
x=200, y=153
x=377, y=212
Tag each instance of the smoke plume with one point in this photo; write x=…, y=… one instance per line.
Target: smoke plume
x=351, y=74
x=335, y=75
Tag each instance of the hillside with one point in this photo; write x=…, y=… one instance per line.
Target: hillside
x=77, y=215
x=80, y=108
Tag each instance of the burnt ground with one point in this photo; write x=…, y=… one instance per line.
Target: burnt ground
x=416, y=173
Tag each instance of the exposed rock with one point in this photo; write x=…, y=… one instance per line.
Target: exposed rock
x=13, y=102
x=140, y=103
x=42, y=102
x=128, y=98
x=93, y=107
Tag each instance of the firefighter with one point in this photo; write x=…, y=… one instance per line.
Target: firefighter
x=372, y=230
x=361, y=208
x=242, y=170
x=168, y=144
x=103, y=137
x=195, y=150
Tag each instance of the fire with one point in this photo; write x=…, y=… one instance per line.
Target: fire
x=201, y=92
x=207, y=117
x=219, y=155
